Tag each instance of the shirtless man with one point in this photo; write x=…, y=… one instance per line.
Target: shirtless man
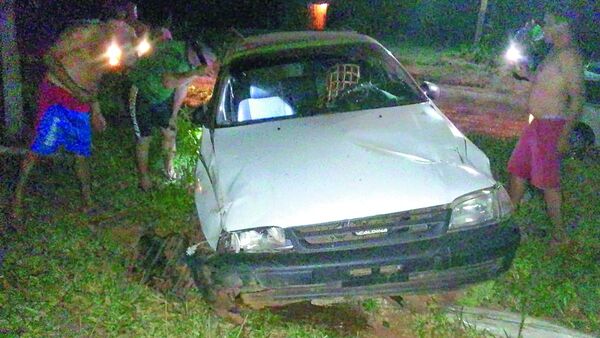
x=555, y=101
x=75, y=65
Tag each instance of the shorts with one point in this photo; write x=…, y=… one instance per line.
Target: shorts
x=536, y=155
x=146, y=115
x=50, y=94
x=58, y=127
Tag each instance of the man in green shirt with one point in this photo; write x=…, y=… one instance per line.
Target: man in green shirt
x=160, y=80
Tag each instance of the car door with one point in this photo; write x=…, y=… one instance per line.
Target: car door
x=206, y=196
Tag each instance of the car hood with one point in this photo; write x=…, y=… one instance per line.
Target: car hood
x=340, y=166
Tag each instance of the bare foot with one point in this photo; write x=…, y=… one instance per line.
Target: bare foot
x=171, y=174
x=146, y=183
x=557, y=240
x=232, y=315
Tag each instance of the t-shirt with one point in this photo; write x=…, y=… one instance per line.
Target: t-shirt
x=147, y=74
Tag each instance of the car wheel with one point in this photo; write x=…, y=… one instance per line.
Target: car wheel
x=581, y=140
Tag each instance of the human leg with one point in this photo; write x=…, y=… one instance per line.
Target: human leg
x=546, y=171
x=169, y=148
x=519, y=166
x=140, y=110
x=553, y=200
x=166, y=118
x=142, y=147
x=26, y=166
x=517, y=189
x=82, y=170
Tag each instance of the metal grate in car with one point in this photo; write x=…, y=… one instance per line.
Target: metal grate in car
x=370, y=231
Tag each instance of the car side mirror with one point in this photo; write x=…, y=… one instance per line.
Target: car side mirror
x=431, y=90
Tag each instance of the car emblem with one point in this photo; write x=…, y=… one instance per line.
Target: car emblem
x=371, y=232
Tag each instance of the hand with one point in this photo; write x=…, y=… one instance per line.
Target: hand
x=98, y=122
x=563, y=145
x=211, y=71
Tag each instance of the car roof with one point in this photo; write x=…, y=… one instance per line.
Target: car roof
x=274, y=42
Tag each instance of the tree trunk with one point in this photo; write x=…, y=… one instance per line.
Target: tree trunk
x=480, y=20
x=11, y=74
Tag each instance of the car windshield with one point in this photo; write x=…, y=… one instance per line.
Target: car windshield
x=312, y=81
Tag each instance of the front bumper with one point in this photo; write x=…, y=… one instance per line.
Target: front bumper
x=442, y=263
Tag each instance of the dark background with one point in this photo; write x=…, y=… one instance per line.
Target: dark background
x=423, y=21
x=443, y=23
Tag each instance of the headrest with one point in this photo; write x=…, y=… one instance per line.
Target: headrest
x=259, y=93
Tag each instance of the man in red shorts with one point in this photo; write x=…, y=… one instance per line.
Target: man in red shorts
x=76, y=63
x=555, y=101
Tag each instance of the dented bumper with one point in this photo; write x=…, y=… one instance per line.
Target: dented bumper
x=446, y=262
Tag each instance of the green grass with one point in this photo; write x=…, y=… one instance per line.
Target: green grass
x=564, y=285
x=68, y=275
x=463, y=65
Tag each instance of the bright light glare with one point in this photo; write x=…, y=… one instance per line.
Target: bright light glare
x=143, y=47
x=530, y=118
x=114, y=54
x=513, y=54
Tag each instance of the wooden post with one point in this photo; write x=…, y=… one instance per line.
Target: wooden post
x=11, y=74
x=480, y=20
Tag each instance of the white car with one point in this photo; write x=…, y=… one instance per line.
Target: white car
x=326, y=171
x=587, y=131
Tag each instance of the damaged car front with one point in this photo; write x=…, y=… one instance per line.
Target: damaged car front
x=325, y=171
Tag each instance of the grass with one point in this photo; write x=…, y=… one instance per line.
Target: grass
x=69, y=274
x=564, y=285
x=460, y=66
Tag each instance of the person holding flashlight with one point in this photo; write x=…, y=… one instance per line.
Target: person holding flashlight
x=160, y=81
x=555, y=101
x=67, y=105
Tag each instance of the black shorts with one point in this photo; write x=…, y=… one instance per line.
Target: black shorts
x=147, y=115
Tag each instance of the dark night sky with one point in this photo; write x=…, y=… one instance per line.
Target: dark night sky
x=39, y=21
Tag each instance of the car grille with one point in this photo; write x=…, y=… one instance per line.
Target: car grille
x=592, y=91
x=372, y=231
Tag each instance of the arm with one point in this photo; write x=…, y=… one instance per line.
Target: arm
x=98, y=121
x=56, y=69
x=176, y=80
x=572, y=72
x=179, y=97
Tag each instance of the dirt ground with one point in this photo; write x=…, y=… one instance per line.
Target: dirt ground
x=479, y=99
x=389, y=317
x=476, y=110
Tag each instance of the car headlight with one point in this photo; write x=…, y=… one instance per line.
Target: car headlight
x=480, y=208
x=257, y=240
